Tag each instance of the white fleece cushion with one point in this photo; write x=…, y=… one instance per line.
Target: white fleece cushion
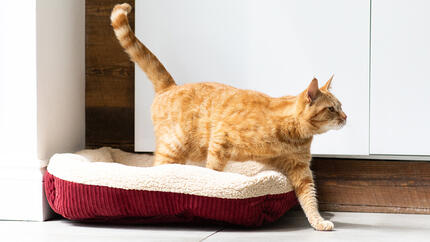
x=118, y=169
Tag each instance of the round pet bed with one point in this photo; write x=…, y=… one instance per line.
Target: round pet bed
x=111, y=185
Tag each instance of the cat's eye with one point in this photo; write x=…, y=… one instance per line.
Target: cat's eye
x=331, y=109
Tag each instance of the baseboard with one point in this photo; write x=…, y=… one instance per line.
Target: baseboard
x=22, y=195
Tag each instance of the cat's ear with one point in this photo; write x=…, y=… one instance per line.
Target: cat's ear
x=327, y=85
x=312, y=91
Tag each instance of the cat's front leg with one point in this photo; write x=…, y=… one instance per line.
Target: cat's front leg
x=300, y=175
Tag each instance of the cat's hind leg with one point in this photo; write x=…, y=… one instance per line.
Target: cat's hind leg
x=217, y=154
x=171, y=149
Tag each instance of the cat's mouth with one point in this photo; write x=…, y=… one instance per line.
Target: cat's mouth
x=340, y=124
x=336, y=125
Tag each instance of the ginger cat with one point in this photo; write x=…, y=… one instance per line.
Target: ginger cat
x=218, y=123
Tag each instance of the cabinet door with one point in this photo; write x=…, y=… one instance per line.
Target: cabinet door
x=400, y=83
x=273, y=46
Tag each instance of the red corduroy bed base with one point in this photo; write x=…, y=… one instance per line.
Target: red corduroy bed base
x=83, y=202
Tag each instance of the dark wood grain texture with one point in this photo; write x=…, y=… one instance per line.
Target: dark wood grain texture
x=109, y=97
x=342, y=184
x=373, y=185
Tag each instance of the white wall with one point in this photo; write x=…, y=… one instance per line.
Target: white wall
x=60, y=76
x=17, y=83
x=42, y=95
x=18, y=114
x=273, y=46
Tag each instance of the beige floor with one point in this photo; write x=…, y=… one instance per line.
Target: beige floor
x=292, y=227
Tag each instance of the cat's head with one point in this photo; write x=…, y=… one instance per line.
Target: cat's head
x=320, y=108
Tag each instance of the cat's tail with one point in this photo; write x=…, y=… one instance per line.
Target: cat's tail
x=160, y=78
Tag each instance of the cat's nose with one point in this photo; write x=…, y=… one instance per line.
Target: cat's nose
x=343, y=115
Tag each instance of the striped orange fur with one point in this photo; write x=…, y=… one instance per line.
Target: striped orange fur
x=216, y=123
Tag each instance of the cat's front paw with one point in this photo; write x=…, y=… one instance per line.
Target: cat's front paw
x=323, y=225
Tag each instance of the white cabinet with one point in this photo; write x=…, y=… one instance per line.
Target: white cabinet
x=400, y=79
x=273, y=46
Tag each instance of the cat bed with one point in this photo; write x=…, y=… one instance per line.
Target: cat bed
x=111, y=185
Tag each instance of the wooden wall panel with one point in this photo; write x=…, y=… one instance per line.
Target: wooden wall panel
x=109, y=81
x=342, y=184
x=373, y=185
